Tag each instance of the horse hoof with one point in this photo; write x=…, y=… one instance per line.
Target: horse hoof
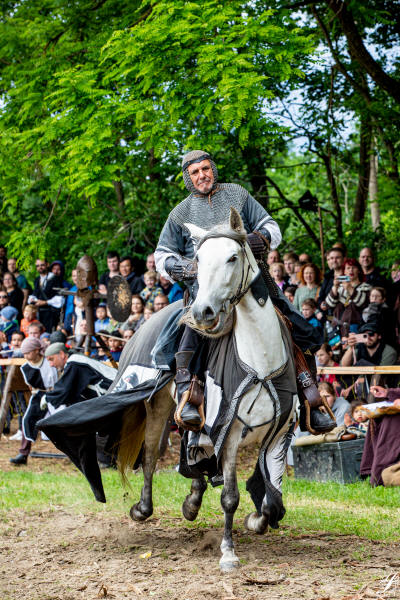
x=137, y=515
x=229, y=564
x=189, y=511
x=253, y=522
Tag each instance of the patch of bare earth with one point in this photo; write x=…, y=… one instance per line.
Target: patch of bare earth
x=59, y=555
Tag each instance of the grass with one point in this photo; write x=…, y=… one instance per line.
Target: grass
x=353, y=509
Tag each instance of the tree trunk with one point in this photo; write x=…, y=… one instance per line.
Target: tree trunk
x=373, y=190
x=334, y=194
x=363, y=170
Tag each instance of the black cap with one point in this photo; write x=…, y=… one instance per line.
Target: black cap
x=370, y=327
x=58, y=336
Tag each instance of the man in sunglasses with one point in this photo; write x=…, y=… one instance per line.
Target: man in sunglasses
x=370, y=350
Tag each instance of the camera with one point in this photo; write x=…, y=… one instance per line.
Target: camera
x=343, y=278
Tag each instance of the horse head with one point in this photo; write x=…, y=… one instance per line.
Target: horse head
x=225, y=269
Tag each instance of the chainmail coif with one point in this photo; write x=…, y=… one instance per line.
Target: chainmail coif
x=192, y=157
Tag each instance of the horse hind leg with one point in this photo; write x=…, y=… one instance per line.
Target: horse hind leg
x=272, y=509
x=192, y=502
x=157, y=415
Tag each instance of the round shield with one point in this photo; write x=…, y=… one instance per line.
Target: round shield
x=119, y=298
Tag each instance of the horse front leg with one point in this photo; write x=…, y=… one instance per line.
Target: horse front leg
x=157, y=415
x=229, y=501
x=192, y=502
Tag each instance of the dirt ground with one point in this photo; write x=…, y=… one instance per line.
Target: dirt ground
x=64, y=556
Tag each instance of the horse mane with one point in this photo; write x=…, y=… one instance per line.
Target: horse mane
x=223, y=230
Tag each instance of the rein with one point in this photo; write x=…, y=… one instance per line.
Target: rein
x=240, y=238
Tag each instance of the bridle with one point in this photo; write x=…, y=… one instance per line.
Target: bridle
x=240, y=238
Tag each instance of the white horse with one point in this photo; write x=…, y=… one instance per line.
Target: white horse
x=226, y=271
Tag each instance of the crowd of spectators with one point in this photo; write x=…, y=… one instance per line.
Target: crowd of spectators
x=355, y=306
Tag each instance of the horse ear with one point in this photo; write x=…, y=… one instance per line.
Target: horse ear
x=196, y=233
x=235, y=221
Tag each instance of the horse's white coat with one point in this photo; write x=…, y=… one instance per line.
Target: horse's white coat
x=223, y=267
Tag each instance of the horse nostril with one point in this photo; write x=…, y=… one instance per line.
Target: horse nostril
x=208, y=313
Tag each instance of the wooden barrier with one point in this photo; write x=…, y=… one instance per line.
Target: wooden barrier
x=14, y=383
x=370, y=370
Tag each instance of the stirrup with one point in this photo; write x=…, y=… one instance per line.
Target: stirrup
x=194, y=393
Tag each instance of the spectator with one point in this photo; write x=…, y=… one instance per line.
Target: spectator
x=126, y=269
x=113, y=270
x=334, y=258
x=45, y=297
x=339, y=405
x=277, y=271
x=324, y=358
x=8, y=321
x=304, y=258
x=148, y=312
x=310, y=277
x=289, y=260
x=3, y=259
x=382, y=443
x=35, y=329
x=4, y=299
x=273, y=257
x=39, y=376
x=127, y=334
x=58, y=269
x=372, y=274
x=372, y=350
x=30, y=313
x=116, y=345
x=395, y=272
x=378, y=312
x=136, y=318
x=150, y=262
x=69, y=312
x=102, y=321
x=308, y=310
x=357, y=417
x=296, y=274
x=172, y=290
x=21, y=279
x=151, y=289
x=159, y=302
x=45, y=340
x=15, y=294
x=349, y=298
x=290, y=292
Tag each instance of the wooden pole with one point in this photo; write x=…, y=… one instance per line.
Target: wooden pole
x=321, y=240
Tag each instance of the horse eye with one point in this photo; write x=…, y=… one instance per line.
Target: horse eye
x=232, y=259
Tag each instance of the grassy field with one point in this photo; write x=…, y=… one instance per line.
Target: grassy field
x=355, y=509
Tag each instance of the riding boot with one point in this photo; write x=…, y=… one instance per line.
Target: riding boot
x=311, y=418
x=188, y=416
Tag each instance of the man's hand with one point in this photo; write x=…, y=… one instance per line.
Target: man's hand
x=351, y=340
x=181, y=269
x=43, y=403
x=258, y=244
x=40, y=303
x=378, y=391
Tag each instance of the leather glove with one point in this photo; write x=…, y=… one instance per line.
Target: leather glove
x=181, y=269
x=43, y=403
x=258, y=243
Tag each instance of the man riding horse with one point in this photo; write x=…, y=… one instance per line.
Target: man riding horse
x=208, y=205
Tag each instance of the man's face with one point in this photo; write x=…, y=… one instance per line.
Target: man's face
x=304, y=258
x=273, y=257
x=289, y=265
x=58, y=360
x=34, y=331
x=334, y=260
x=113, y=264
x=150, y=263
x=56, y=270
x=202, y=176
x=366, y=259
x=164, y=282
x=12, y=265
x=372, y=340
x=33, y=356
x=160, y=302
x=3, y=299
x=125, y=268
x=41, y=267
x=128, y=333
x=307, y=311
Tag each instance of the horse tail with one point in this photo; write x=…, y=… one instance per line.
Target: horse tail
x=131, y=440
